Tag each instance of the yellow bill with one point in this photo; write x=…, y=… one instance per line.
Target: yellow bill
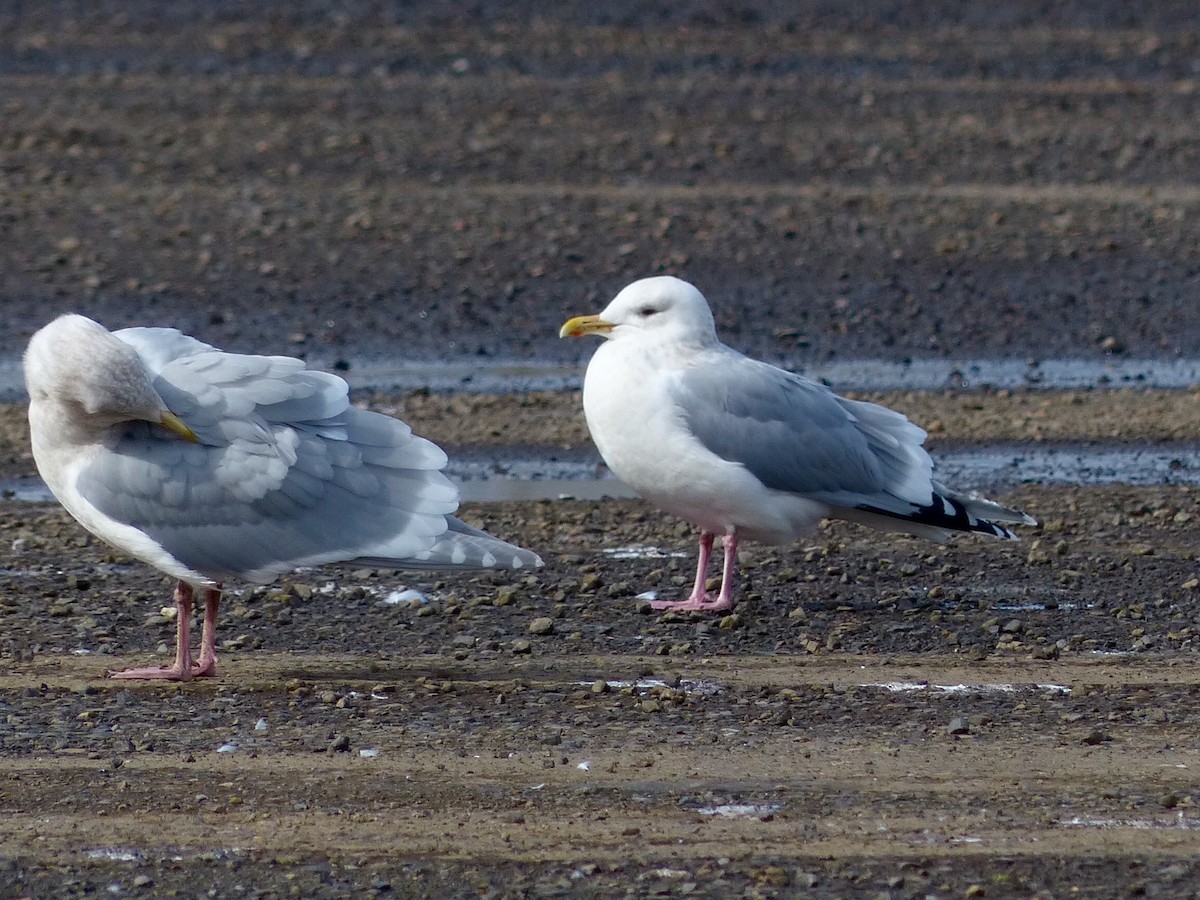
x=581, y=325
x=175, y=425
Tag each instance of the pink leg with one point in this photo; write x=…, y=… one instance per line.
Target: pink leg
x=206, y=666
x=699, y=598
x=725, y=598
x=182, y=669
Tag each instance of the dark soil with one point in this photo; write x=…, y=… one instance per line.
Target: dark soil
x=431, y=180
x=1044, y=740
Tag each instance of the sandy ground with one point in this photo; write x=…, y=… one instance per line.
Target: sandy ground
x=880, y=714
x=880, y=717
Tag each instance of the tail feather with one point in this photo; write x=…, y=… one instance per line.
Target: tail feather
x=463, y=547
x=947, y=512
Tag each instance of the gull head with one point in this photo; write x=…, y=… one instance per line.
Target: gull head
x=663, y=309
x=79, y=366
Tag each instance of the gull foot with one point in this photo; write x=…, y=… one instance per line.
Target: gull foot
x=166, y=673
x=693, y=604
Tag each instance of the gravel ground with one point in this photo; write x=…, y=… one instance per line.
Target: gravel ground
x=881, y=716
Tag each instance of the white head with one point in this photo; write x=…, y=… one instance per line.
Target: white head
x=77, y=363
x=663, y=308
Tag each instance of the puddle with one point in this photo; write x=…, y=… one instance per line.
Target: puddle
x=989, y=467
x=508, y=490
x=406, y=597
x=848, y=375
x=124, y=854
x=1050, y=374
x=516, y=376
x=1070, y=464
x=947, y=690
x=27, y=489
x=1039, y=607
x=699, y=687
x=740, y=810
x=641, y=553
x=1178, y=821
x=506, y=479
x=112, y=854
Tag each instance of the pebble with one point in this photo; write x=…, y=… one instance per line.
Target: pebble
x=541, y=625
x=958, y=725
x=340, y=744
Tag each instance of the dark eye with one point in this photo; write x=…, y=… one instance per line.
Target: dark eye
x=647, y=311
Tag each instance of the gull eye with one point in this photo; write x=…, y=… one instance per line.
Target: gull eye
x=647, y=311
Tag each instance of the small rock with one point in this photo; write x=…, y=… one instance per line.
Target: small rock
x=340, y=744
x=1095, y=737
x=541, y=625
x=590, y=582
x=958, y=725
x=729, y=622
x=521, y=646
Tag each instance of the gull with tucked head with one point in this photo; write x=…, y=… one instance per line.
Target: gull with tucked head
x=745, y=450
x=211, y=466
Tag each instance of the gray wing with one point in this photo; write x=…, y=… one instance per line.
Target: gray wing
x=286, y=473
x=797, y=436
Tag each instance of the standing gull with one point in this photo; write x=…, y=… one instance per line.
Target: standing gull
x=744, y=449
x=210, y=465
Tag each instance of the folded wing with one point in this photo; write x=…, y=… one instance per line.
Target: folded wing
x=286, y=473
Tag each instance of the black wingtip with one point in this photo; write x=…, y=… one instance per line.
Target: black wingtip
x=946, y=513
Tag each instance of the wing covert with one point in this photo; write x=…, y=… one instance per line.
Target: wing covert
x=796, y=435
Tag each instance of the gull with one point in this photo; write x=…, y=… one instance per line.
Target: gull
x=213, y=466
x=744, y=449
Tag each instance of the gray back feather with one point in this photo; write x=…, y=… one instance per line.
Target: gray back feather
x=286, y=473
x=797, y=436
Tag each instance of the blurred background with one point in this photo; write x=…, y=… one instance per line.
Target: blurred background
x=449, y=181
